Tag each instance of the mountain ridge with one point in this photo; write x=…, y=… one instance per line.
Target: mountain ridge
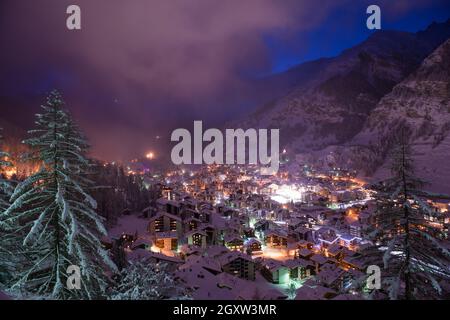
x=348, y=111
x=365, y=73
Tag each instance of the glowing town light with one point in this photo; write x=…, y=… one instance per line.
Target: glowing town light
x=275, y=254
x=286, y=194
x=10, y=172
x=150, y=155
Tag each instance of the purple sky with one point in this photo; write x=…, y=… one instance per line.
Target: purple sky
x=140, y=68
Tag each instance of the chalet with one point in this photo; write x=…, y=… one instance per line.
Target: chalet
x=190, y=203
x=205, y=215
x=334, y=251
x=262, y=226
x=355, y=229
x=211, y=234
x=174, y=262
x=351, y=242
x=331, y=276
x=253, y=246
x=326, y=237
x=305, y=244
x=169, y=206
x=275, y=271
x=187, y=250
x=318, y=260
x=215, y=251
x=296, y=222
x=352, y=262
x=276, y=239
x=206, y=263
x=167, y=193
x=238, y=264
x=167, y=240
x=228, y=212
x=234, y=242
x=304, y=253
x=441, y=205
x=300, y=268
x=249, y=232
x=188, y=213
x=197, y=238
x=164, y=222
x=191, y=223
x=365, y=218
x=302, y=233
x=351, y=279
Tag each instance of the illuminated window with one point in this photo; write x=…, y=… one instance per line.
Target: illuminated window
x=159, y=243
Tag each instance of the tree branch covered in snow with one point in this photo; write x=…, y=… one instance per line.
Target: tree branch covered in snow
x=408, y=244
x=53, y=217
x=148, y=281
x=6, y=187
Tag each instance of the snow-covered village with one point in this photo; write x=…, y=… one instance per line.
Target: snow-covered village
x=94, y=207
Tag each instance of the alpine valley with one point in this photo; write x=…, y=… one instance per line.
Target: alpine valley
x=345, y=111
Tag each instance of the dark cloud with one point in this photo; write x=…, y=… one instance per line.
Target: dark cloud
x=138, y=68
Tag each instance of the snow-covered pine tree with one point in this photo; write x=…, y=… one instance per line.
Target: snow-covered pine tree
x=407, y=243
x=54, y=217
x=5, y=237
x=5, y=185
x=144, y=280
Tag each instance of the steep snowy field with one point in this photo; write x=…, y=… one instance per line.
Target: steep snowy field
x=422, y=104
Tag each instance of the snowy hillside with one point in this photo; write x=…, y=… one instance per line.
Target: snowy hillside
x=422, y=103
x=332, y=104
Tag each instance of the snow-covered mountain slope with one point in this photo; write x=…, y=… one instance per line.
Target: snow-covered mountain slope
x=331, y=105
x=421, y=103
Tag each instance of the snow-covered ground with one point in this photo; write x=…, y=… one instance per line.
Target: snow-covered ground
x=130, y=224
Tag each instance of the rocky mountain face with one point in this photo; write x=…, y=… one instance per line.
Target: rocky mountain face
x=332, y=101
x=348, y=111
x=421, y=103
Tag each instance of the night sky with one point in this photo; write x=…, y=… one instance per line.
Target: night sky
x=139, y=69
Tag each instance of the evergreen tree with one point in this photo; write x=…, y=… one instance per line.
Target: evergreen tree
x=54, y=217
x=5, y=237
x=148, y=281
x=5, y=185
x=407, y=243
x=118, y=254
